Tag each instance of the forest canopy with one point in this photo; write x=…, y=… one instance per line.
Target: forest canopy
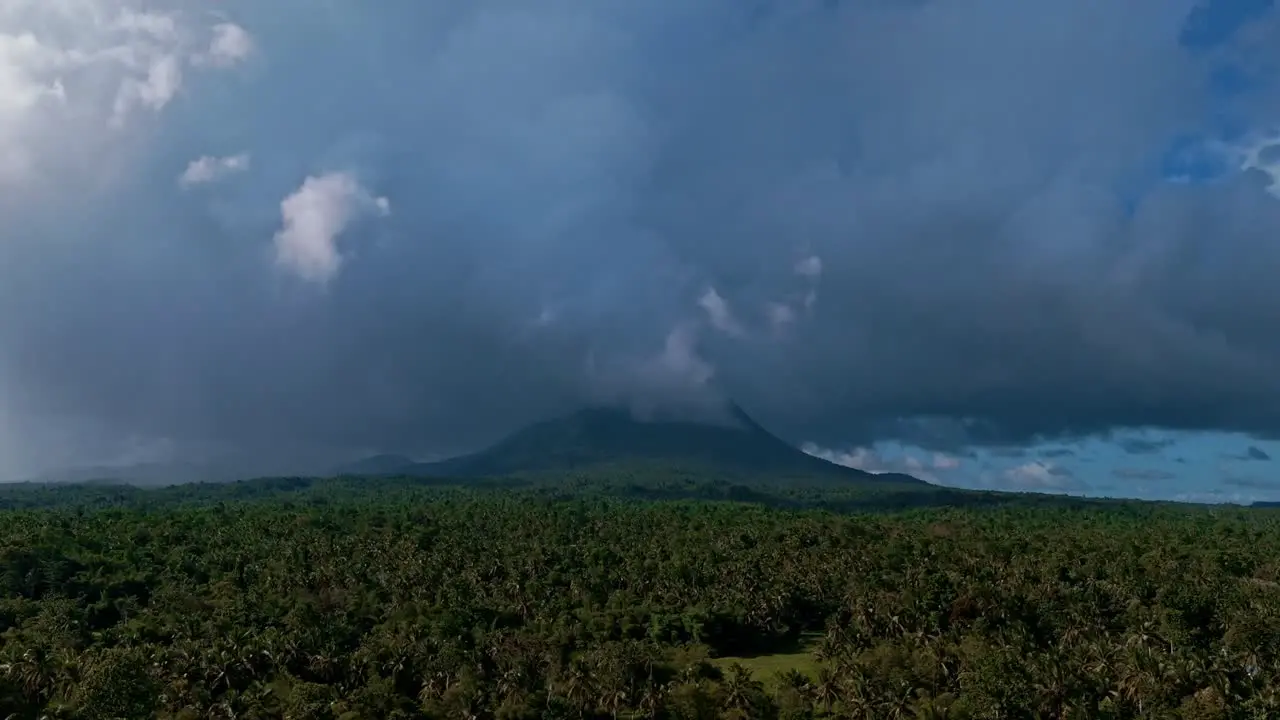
x=379, y=599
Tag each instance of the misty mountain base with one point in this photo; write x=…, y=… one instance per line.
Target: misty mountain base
x=723, y=444
x=313, y=600
x=728, y=444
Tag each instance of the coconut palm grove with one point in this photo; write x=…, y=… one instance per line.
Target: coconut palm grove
x=633, y=589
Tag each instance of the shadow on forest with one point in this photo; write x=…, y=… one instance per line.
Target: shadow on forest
x=754, y=648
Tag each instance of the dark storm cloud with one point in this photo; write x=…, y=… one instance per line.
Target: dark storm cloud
x=1143, y=446
x=1142, y=474
x=1251, y=483
x=939, y=221
x=1252, y=453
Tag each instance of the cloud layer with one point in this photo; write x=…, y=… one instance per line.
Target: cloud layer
x=948, y=221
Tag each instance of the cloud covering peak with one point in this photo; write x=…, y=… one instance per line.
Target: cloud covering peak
x=948, y=221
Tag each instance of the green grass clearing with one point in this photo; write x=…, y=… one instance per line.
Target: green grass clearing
x=766, y=668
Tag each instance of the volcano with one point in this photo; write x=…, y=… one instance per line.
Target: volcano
x=609, y=437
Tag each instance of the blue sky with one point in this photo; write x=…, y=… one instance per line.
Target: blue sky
x=1153, y=464
x=284, y=234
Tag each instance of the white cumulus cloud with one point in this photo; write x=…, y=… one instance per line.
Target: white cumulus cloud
x=207, y=169
x=779, y=314
x=719, y=312
x=152, y=90
x=945, y=462
x=314, y=217
x=810, y=267
x=1040, y=475
x=868, y=459
x=230, y=45
x=1264, y=155
x=75, y=73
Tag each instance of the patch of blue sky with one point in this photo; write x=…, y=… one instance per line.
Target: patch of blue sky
x=1214, y=22
x=1146, y=463
x=1208, y=154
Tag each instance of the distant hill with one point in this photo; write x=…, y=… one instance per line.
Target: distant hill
x=157, y=474
x=607, y=437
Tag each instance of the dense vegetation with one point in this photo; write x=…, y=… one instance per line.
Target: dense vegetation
x=384, y=600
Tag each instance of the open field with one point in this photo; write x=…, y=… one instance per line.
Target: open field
x=767, y=666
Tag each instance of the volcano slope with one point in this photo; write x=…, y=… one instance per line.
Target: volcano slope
x=599, y=441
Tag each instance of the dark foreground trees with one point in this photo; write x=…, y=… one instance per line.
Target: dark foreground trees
x=506, y=606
